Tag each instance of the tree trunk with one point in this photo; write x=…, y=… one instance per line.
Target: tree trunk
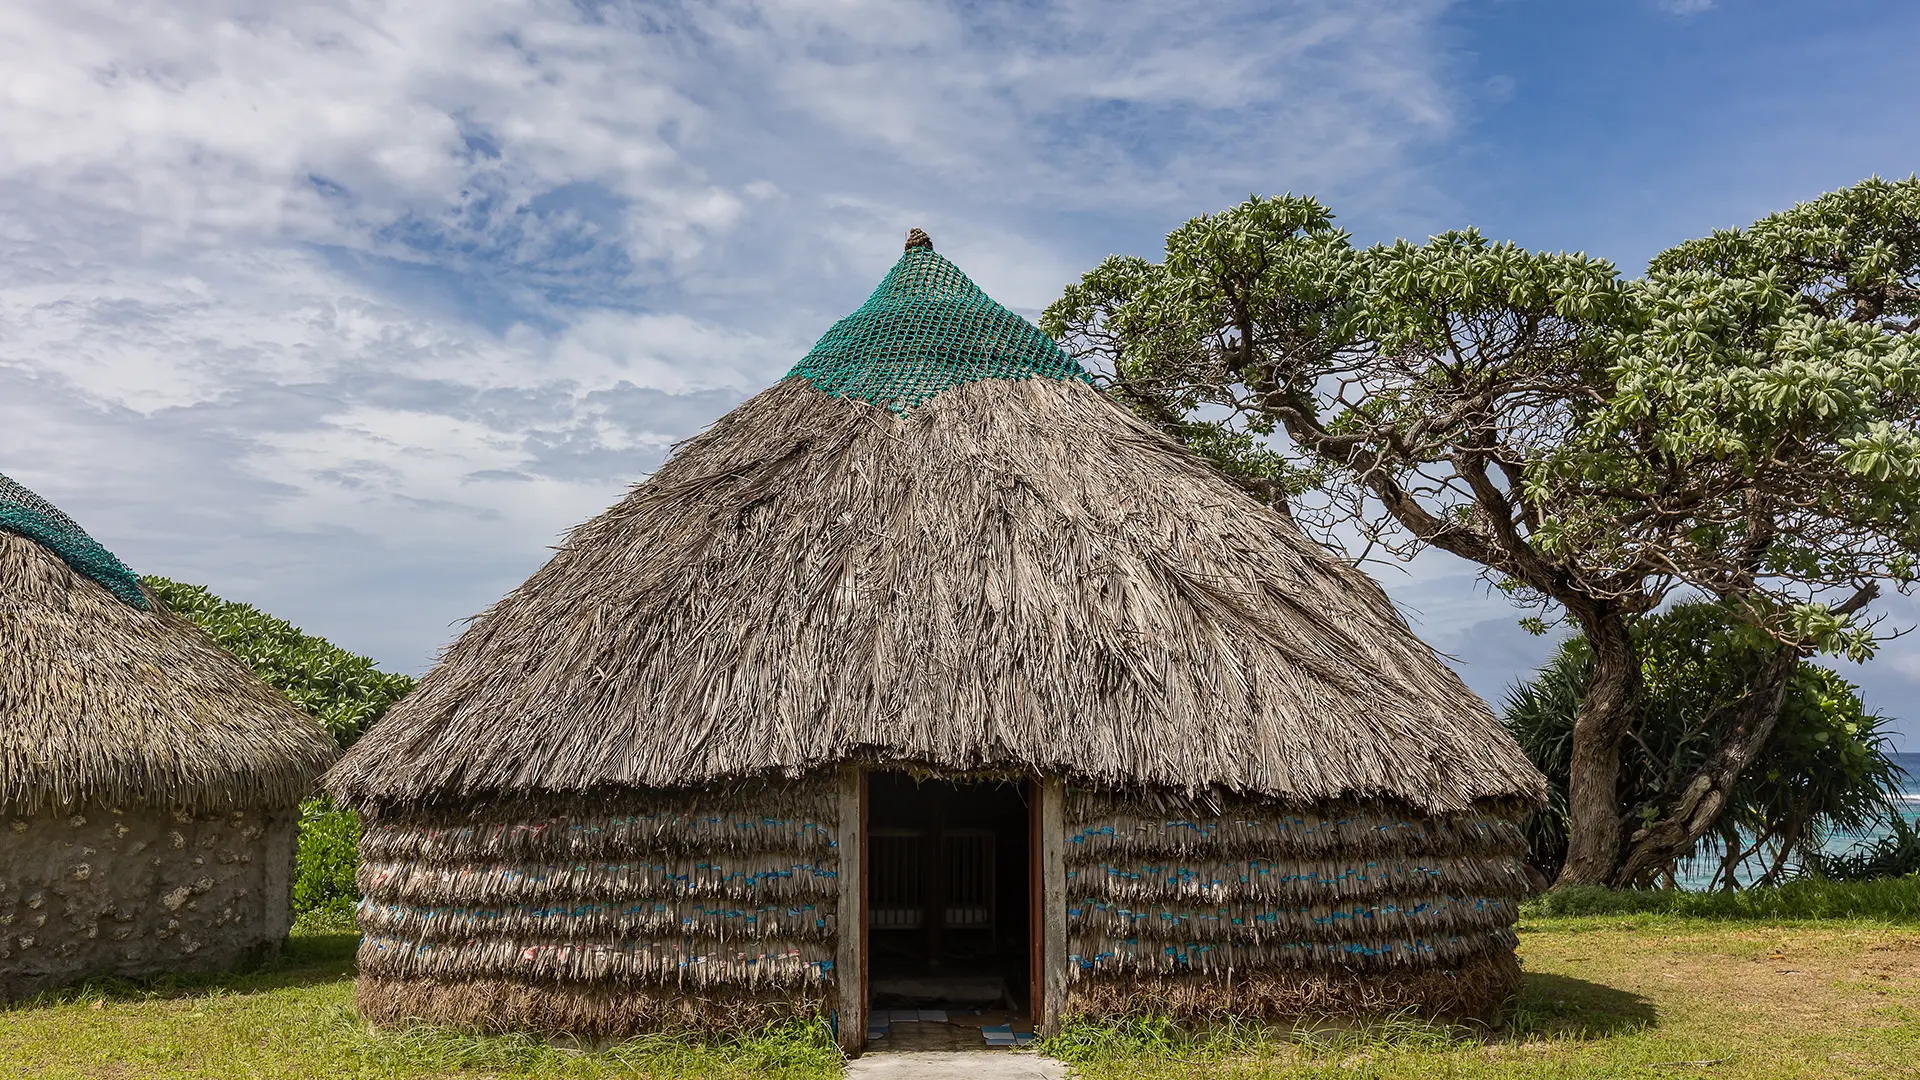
x=1704, y=797
x=1730, y=855
x=1593, y=781
x=1789, y=838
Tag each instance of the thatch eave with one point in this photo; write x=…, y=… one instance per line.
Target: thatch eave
x=105, y=703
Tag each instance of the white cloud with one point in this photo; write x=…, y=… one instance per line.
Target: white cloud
x=350, y=307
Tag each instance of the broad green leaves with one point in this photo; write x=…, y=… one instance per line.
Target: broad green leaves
x=345, y=692
x=1742, y=421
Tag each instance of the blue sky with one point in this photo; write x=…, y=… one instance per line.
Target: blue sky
x=350, y=309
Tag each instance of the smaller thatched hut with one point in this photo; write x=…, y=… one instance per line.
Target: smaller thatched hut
x=148, y=781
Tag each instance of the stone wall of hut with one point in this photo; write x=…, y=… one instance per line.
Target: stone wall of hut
x=1192, y=907
x=138, y=891
x=604, y=917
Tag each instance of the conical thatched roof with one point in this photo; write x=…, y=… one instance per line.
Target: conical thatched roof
x=936, y=543
x=106, y=696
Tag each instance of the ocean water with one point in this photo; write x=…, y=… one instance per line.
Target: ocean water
x=1699, y=874
x=1910, y=764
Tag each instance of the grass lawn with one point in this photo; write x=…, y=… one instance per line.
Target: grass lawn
x=1606, y=995
x=1612, y=996
x=294, y=1018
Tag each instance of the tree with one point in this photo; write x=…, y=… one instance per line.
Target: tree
x=1597, y=445
x=1825, y=770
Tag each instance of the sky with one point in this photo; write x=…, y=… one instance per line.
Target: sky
x=350, y=310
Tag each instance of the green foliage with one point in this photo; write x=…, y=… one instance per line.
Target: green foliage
x=324, y=892
x=1826, y=769
x=1741, y=421
x=1896, y=854
x=345, y=692
x=1772, y=383
x=1268, y=344
x=1892, y=899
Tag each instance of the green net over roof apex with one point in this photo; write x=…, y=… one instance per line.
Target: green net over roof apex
x=35, y=518
x=928, y=328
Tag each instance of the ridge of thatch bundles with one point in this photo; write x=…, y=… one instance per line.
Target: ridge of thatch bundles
x=610, y=915
x=105, y=702
x=1015, y=574
x=1172, y=900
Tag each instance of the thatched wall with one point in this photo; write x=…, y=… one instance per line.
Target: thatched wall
x=138, y=891
x=603, y=916
x=1194, y=907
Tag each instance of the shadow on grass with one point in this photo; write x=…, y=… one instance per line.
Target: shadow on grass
x=306, y=960
x=1560, y=1006
x=1550, y=1007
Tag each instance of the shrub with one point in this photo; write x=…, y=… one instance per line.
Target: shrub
x=1893, y=855
x=323, y=879
x=344, y=691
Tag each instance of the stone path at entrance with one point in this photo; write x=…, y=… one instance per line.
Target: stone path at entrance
x=955, y=1065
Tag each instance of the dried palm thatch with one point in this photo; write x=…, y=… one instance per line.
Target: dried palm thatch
x=977, y=572
x=604, y=915
x=103, y=701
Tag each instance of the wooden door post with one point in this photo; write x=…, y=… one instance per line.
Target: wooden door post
x=850, y=953
x=1053, y=907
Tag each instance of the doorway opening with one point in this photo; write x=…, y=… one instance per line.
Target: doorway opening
x=949, y=903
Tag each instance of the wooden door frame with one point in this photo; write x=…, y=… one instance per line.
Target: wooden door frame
x=850, y=952
x=1047, y=903
x=1046, y=907
x=1036, y=903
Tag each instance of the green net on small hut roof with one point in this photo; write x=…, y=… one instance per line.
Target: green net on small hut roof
x=928, y=328
x=35, y=518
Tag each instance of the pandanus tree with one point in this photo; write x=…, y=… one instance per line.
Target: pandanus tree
x=1741, y=423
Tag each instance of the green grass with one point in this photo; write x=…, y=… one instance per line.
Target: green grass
x=1884, y=898
x=1645, y=994
x=294, y=1018
x=1651, y=981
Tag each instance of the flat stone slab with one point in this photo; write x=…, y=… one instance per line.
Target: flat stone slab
x=955, y=1065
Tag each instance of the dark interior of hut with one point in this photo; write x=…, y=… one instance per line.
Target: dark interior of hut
x=947, y=893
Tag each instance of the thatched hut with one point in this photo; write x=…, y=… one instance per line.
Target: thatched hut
x=148, y=781
x=931, y=669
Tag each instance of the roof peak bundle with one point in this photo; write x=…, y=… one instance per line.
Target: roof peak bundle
x=925, y=329
x=23, y=512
